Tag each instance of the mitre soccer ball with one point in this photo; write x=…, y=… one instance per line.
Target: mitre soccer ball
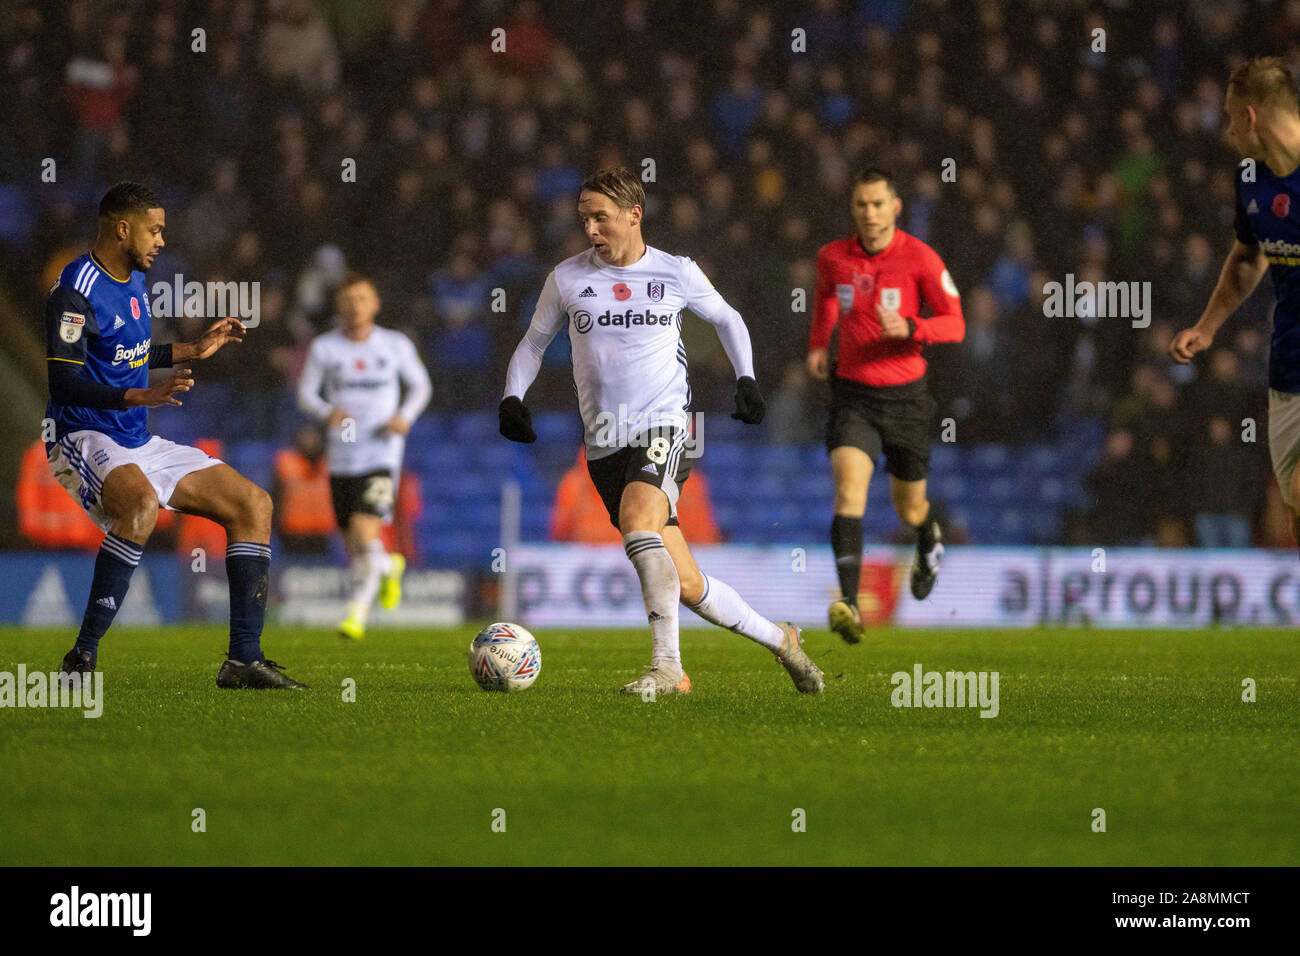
x=505, y=657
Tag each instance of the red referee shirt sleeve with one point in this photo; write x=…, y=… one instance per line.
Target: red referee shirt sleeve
x=826, y=306
x=940, y=294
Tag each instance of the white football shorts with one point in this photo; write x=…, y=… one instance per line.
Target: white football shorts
x=82, y=459
x=1284, y=439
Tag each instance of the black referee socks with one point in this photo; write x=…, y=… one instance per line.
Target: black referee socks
x=846, y=543
x=925, y=533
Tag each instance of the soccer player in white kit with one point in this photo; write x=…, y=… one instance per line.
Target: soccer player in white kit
x=353, y=381
x=623, y=301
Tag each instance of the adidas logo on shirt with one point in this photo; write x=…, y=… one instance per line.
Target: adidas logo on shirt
x=651, y=468
x=118, y=324
x=107, y=602
x=1252, y=208
x=587, y=293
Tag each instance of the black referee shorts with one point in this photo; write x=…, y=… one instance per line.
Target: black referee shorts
x=893, y=420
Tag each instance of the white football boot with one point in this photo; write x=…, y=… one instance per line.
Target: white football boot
x=806, y=675
x=665, y=678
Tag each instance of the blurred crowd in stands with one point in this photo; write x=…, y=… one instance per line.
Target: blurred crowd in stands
x=1107, y=165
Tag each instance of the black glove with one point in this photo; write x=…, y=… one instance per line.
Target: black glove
x=516, y=423
x=749, y=403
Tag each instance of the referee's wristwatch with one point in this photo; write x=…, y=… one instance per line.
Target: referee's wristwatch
x=911, y=328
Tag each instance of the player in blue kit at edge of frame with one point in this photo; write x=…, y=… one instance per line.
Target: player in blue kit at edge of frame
x=100, y=349
x=1262, y=107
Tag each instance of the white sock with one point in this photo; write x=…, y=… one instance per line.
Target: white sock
x=382, y=559
x=660, y=589
x=721, y=605
x=366, y=569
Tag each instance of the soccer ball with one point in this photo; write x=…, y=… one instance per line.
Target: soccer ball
x=505, y=657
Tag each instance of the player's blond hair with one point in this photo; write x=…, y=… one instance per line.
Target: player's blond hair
x=351, y=278
x=1265, y=81
x=618, y=183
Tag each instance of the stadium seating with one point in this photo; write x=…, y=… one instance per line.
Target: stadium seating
x=762, y=494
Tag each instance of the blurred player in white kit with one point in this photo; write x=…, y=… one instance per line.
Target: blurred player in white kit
x=353, y=381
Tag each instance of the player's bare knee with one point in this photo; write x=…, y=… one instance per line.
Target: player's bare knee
x=137, y=515
x=636, y=520
x=256, y=507
x=913, y=513
x=635, y=515
x=851, y=500
x=692, y=586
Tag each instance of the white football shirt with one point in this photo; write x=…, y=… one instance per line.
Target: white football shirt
x=365, y=380
x=625, y=323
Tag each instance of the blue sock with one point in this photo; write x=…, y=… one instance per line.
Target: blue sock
x=248, y=569
x=117, y=561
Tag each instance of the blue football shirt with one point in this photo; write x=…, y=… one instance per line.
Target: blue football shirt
x=1268, y=214
x=101, y=322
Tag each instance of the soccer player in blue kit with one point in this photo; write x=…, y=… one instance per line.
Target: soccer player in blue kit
x=1263, y=111
x=100, y=348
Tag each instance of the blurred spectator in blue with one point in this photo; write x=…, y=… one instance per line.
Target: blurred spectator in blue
x=462, y=340
x=1229, y=483
x=826, y=31
x=1166, y=57
x=921, y=205
x=1116, y=515
x=793, y=418
x=888, y=14
x=216, y=215
x=735, y=110
x=837, y=105
x=557, y=178
x=226, y=99
x=988, y=363
x=1009, y=279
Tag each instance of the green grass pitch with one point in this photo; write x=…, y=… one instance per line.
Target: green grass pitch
x=1150, y=726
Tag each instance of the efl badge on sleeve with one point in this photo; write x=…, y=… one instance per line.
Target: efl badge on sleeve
x=949, y=286
x=655, y=290
x=70, y=326
x=845, y=293
x=891, y=299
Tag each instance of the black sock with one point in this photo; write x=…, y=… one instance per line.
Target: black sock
x=248, y=567
x=925, y=534
x=846, y=543
x=114, y=566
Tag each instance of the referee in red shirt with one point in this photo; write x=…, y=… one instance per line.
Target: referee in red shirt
x=873, y=284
